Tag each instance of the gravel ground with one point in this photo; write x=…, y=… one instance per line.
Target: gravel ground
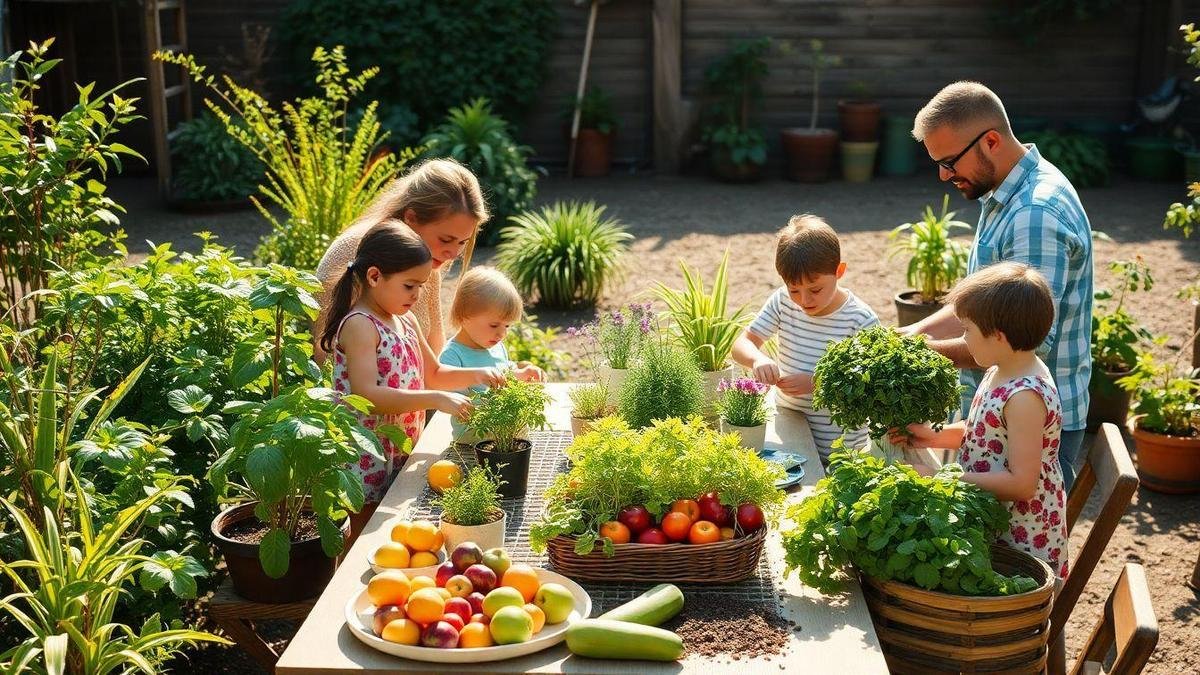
x=696, y=219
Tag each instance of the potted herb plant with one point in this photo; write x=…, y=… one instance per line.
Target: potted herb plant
x=1115, y=339
x=612, y=343
x=737, y=151
x=589, y=402
x=702, y=326
x=935, y=261
x=882, y=380
x=502, y=415
x=810, y=149
x=742, y=403
x=597, y=127
x=471, y=511
x=666, y=382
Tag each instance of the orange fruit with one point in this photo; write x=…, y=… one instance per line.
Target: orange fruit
x=425, y=606
x=390, y=587
x=402, y=631
x=443, y=474
x=475, y=635
x=400, y=531
x=615, y=531
x=422, y=581
x=422, y=559
x=422, y=536
x=438, y=542
x=391, y=554
x=523, y=578
x=539, y=617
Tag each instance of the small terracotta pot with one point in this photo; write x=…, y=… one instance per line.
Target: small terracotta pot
x=593, y=153
x=859, y=120
x=810, y=153
x=580, y=426
x=1169, y=464
x=725, y=169
x=488, y=535
x=910, y=309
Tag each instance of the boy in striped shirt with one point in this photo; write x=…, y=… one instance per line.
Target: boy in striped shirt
x=808, y=312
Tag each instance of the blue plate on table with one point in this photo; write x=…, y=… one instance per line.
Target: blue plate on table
x=792, y=462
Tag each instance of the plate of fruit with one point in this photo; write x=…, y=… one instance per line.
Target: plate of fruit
x=415, y=544
x=466, y=610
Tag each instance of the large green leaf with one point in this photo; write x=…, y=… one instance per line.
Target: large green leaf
x=274, y=551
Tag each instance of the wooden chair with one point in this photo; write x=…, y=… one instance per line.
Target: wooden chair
x=1127, y=625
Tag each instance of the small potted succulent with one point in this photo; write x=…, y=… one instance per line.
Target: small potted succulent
x=612, y=342
x=503, y=415
x=589, y=402
x=471, y=511
x=935, y=261
x=810, y=149
x=597, y=126
x=742, y=403
x=666, y=382
x=1115, y=339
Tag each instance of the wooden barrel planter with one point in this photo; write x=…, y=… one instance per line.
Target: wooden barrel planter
x=923, y=631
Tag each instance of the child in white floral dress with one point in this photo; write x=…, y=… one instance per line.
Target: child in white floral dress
x=1009, y=444
x=381, y=354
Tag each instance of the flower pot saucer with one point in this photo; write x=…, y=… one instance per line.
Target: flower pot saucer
x=792, y=462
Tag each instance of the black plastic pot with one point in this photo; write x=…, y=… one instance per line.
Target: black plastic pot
x=1108, y=402
x=910, y=309
x=511, y=467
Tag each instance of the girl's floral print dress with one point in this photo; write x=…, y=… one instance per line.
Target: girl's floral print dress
x=1037, y=526
x=398, y=360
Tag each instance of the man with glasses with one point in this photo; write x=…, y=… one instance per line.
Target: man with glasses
x=1030, y=214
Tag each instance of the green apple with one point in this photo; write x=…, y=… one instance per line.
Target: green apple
x=511, y=625
x=498, y=560
x=555, y=601
x=498, y=598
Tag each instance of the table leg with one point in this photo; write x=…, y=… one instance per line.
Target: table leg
x=242, y=632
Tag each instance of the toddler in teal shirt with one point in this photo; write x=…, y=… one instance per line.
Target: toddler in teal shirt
x=485, y=305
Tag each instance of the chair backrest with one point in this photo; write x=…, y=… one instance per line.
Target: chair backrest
x=1108, y=471
x=1128, y=624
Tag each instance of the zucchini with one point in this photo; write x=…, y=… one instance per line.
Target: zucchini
x=607, y=639
x=650, y=608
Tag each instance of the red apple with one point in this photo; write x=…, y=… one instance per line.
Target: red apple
x=454, y=620
x=636, y=518
x=444, y=572
x=483, y=579
x=466, y=554
x=653, y=536
x=476, y=600
x=480, y=617
x=712, y=510
x=459, y=586
x=385, y=614
x=749, y=517
x=439, y=634
x=460, y=607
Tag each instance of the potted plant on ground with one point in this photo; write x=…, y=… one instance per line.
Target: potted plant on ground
x=737, y=151
x=589, y=402
x=743, y=406
x=612, y=343
x=702, y=325
x=1115, y=339
x=666, y=382
x=471, y=511
x=597, y=127
x=503, y=415
x=212, y=170
x=935, y=261
x=810, y=149
x=858, y=118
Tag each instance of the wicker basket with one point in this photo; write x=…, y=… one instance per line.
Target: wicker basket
x=716, y=563
x=927, y=632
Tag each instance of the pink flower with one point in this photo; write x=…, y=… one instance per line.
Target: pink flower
x=1054, y=554
x=1054, y=518
x=1022, y=507
x=384, y=365
x=996, y=446
x=1062, y=572
x=980, y=430
x=981, y=466
x=393, y=380
x=1040, y=540
x=338, y=358
x=375, y=478
x=1035, y=506
x=992, y=420
x=364, y=462
x=1020, y=535
x=397, y=350
x=339, y=386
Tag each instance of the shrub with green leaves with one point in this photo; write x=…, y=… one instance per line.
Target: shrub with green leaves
x=1115, y=333
x=666, y=382
x=935, y=260
x=474, y=501
x=321, y=173
x=595, y=111
x=526, y=341
x=700, y=321
x=480, y=139
x=880, y=379
x=1083, y=159
x=893, y=524
x=502, y=413
x=1180, y=216
x=210, y=165
x=563, y=255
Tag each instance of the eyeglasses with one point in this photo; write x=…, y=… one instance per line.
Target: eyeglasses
x=948, y=164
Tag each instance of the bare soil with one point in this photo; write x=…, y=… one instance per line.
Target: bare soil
x=697, y=220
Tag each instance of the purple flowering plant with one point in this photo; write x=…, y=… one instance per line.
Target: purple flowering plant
x=742, y=401
x=616, y=337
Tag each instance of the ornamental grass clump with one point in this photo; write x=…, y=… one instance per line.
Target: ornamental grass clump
x=882, y=380
x=742, y=402
x=891, y=523
x=473, y=501
x=667, y=382
x=589, y=401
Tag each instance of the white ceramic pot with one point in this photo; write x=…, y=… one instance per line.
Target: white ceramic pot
x=580, y=426
x=490, y=535
x=614, y=379
x=752, y=437
x=711, y=379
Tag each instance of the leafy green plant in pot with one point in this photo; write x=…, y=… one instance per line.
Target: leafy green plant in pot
x=935, y=261
x=1116, y=336
x=1083, y=159
x=597, y=127
x=882, y=380
x=667, y=382
x=502, y=415
x=737, y=151
x=810, y=149
x=702, y=325
x=290, y=456
x=589, y=402
x=471, y=511
x=212, y=171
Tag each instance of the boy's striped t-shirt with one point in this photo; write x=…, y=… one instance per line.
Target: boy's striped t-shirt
x=802, y=341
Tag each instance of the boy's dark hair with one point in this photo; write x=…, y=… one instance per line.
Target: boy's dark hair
x=1009, y=297
x=807, y=248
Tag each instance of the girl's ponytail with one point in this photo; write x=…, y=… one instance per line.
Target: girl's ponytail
x=390, y=246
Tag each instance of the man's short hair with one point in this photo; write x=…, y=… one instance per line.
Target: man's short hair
x=807, y=247
x=1009, y=297
x=962, y=105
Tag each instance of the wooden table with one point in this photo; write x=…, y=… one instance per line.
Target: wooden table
x=835, y=633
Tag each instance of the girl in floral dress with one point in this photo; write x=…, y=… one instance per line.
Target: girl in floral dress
x=1008, y=444
x=381, y=354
